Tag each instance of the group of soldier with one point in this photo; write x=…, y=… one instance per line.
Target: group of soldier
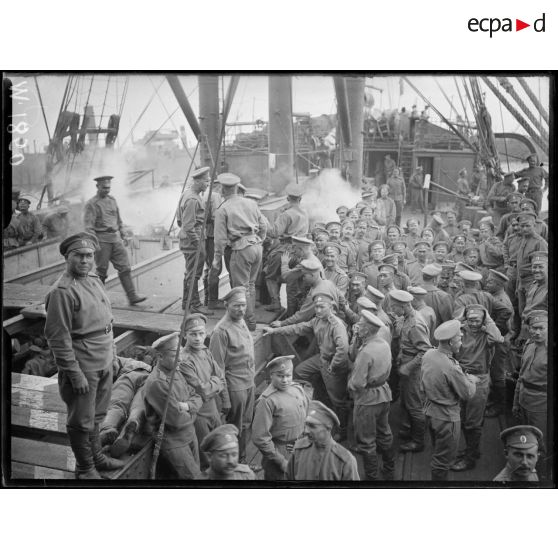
x=424, y=316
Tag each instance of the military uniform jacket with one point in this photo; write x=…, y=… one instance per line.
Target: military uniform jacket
x=101, y=217
x=531, y=387
x=445, y=385
x=506, y=475
x=293, y=221
x=208, y=380
x=179, y=423
x=503, y=311
x=535, y=176
x=504, y=223
x=363, y=252
x=311, y=463
x=537, y=298
x=492, y=252
x=241, y=473
x=347, y=258
x=190, y=216
x=232, y=347
x=78, y=326
x=27, y=227
x=414, y=340
x=527, y=246
x=371, y=271
x=279, y=419
x=473, y=296
x=338, y=277
x=371, y=369
x=475, y=353
x=331, y=338
x=238, y=222
x=440, y=301
x=511, y=246
x=429, y=317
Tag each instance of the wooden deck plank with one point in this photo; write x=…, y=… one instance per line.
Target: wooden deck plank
x=26, y=471
x=52, y=456
x=37, y=383
x=49, y=421
x=36, y=399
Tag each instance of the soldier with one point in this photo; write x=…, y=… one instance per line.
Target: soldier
x=202, y=373
x=479, y=336
x=377, y=297
x=513, y=201
x=27, y=225
x=471, y=294
x=222, y=446
x=211, y=280
x=531, y=242
x=428, y=314
x=126, y=408
x=445, y=386
x=440, y=235
x=446, y=280
x=292, y=221
x=232, y=347
x=371, y=269
x=491, y=249
x=372, y=395
x=389, y=166
x=317, y=456
x=501, y=364
x=498, y=196
x=521, y=448
x=385, y=211
x=332, y=271
x=537, y=294
x=414, y=341
x=413, y=233
x=536, y=174
x=451, y=227
x=78, y=330
x=541, y=228
x=56, y=224
x=397, y=192
x=190, y=217
x=462, y=190
x=102, y=219
x=440, y=301
x=279, y=418
x=362, y=244
x=441, y=251
x=331, y=363
x=179, y=448
x=416, y=183
x=530, y=397
x=347, y=257
x=457, y=253
x=400, y=280
x=239, y=222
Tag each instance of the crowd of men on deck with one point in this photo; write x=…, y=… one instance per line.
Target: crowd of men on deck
x=424, y=315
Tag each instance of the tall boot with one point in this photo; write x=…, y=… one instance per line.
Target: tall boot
x=81, y=447
x=273, y=290
x=128, y=286
x=388, y=463
x=122, y=444
x=102, y=462
x=205, y=289
x=370, y=461
x=471, y=451
x=498, y=400
x=213, y=289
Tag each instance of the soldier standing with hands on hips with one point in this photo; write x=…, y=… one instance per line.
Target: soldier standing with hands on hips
x=78, y=330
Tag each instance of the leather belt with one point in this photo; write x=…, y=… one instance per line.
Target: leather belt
x=92, y=334
x=534, y=387
x=282, y=442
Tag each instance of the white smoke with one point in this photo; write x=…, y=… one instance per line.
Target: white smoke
x=324, y=194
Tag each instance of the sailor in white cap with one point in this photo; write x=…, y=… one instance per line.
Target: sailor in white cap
x=292, y=221
x=240, y=223
x=414, y=341
x=472, y=294
x=101, y=218
x=180, y=445
x=440, y=301
x=445, y=387
x=372, y=395
x=279, y=417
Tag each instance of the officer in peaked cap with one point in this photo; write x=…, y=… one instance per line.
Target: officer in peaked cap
x=279, y=419
x=202, y=172
x=222, y=446
x=228, y=179
x=80, y=338
x=102, y=219
x=446, y=387
x=522, y=450
x=309, y=462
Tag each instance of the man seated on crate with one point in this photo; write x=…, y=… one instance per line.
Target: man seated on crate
x=126, y=411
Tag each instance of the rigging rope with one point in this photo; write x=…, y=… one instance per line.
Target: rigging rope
x=42, y=107
x=534, y=100
x=505, y=140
